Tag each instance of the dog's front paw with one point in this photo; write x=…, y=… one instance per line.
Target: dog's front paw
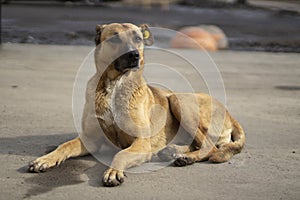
x=113, y=177
x=42, y=164
x=182, y=160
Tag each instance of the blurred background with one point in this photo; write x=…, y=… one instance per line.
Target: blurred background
x=255, y=25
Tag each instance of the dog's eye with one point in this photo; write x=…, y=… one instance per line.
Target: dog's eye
x=115, y=39
x=138, y=39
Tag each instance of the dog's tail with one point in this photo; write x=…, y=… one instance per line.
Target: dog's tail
x=226, y=151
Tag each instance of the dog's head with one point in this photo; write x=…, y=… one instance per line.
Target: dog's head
x=122, y=45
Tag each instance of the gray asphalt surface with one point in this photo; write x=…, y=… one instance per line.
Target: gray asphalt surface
x=247, y=28
x=263, y=93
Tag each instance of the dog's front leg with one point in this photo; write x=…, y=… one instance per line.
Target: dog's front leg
x=138, y=153
x=72, y=148
x=90, y=137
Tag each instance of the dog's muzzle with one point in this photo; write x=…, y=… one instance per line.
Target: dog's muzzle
x=128, y=61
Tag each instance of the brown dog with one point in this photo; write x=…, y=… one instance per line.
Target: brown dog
x=143, y=120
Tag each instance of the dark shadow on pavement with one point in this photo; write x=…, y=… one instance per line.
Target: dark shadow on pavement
x=33, y=145
x=71, y=172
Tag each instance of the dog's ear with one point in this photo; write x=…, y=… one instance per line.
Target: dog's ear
x=147, y=35
x=99, y=29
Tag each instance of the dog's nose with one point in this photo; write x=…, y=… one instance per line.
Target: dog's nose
x=134, y=55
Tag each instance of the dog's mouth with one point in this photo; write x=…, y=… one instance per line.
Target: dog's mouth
x=122, y=67
x=133, y=66
x=127, y=62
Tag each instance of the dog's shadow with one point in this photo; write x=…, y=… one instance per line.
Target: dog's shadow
x=74, y=171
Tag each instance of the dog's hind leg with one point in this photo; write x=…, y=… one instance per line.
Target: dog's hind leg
x=72, y=148
x=227, y=150
x=185, y=108
x=204, y=149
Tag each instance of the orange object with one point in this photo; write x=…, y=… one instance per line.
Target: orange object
x=195, y=38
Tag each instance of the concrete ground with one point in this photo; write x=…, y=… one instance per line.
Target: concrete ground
x=263, y=93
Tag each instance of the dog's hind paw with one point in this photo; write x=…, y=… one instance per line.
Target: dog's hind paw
x=182, y=160
x=113, y=177
x=166, y=154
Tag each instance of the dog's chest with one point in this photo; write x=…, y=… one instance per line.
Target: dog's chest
x=107, y=102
